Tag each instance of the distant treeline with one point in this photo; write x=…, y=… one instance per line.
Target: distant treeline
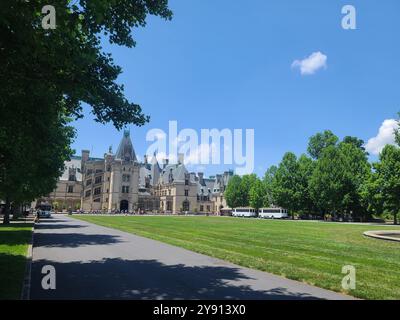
x=334, y=178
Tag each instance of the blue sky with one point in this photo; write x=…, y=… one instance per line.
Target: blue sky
x=228, y=64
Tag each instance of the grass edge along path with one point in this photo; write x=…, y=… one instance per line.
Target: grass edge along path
x=14, y=243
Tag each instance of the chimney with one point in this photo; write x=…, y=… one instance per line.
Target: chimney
x=165, y=163
x=85, y=155
x=181, y=158
x=201, y=177
x=84, y=159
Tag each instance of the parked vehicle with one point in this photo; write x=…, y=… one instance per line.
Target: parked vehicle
x=244, y=212
x=226, y=212
x=44, y=210
x=273, y=213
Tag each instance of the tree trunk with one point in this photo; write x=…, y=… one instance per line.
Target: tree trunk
x=6, y=218
x=395, y=218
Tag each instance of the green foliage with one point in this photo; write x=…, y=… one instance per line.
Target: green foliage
x=14, y=241
x=287, y=184
x=337, y=181
x=268, y=186
x=306, y=168
x=233, y=193
x=386, y=180
x=358, y=143
x=248, y=181
x=321, y=141
x=257, y=195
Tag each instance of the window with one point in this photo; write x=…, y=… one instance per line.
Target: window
x=99, y=170
x=126, y=177
x=97, y=180
x=208, y=208
x=97, y=191
x=89, y=171
x=72, y=177
x=201, y=208
x=89, y=182
x=96, y=200
x=125, y=189
x=88, y=193
x=186, y=193
x=186, y=182
x=70, y=189
x=169, y=206
x=186, y=206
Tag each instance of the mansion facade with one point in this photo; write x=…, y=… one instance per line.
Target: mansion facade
x=120, y=183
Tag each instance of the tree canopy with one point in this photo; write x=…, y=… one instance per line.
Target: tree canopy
x=47, y=74
x=337, y=180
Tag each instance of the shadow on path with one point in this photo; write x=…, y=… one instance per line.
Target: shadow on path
x=73, y=240
x=58, y=226
x=149, y=279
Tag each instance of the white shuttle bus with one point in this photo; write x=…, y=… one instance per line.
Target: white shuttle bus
x=244, y=212
x=273, y=213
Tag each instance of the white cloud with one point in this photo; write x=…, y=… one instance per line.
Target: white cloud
x=312, y=64
x=385, y=136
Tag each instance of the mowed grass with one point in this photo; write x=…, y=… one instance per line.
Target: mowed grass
x=312, y=252
x=14, y=240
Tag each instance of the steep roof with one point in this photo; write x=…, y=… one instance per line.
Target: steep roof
x=125, y=150
x=178, y=172
x=207, y=187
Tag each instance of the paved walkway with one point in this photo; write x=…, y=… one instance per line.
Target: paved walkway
x=93, y=262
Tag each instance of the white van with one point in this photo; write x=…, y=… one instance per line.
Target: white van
x=244, y=212
x=273, y=213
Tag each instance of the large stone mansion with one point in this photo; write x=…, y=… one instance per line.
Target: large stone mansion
x=120, y=183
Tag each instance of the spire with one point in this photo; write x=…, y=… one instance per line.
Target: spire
x=125, y=150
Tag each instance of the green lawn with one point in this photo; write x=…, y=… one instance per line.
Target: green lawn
x=14, y=240
x=312, y=252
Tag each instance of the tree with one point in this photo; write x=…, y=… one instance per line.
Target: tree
x=357, y=170
x=68, y=63
x=387, y=183
x=306, y=168
x=321, y=141
x=33, y=159
x=358, y=143
x=233, y=194
x=327, y=181
x=338, y=178
x=268, y=182
x=257, y=194
x=286, y=185
x=46, y=75
x=248, y=181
